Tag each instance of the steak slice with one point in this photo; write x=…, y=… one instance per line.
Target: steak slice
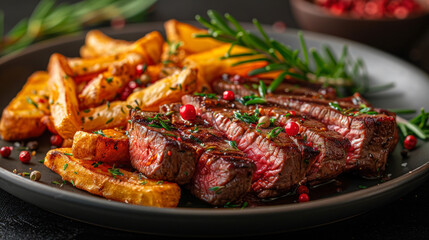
x=221, y=174
x=248, y=86
x=372, y=137
x=156, y=153
x=279, y=164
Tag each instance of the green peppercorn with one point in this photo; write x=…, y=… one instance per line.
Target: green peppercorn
x=35, y=175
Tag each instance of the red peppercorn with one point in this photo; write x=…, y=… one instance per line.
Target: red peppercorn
x=124, y=95
x=302, y=189
x=310, y=144
x=410, y=142
x=132, y=85
x=5, y=151
x=56, y=140
x=292, y=128
x=228, y=95
x=139, y=69
x=292, y=113
x=25, y=156
x=303, y=198
x=188, y=112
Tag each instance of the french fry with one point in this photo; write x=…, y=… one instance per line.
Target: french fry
x=21, y=119
x=109, y=146
x=111, y=182
x=62, y=95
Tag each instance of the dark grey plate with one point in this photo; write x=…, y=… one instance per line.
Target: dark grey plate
x=331, y=202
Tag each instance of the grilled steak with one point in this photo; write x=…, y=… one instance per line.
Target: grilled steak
x=372, y=137
x=156, y=153
x=222, y=173
x=279, y=163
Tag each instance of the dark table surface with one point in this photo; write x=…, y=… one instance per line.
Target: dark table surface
x=404, y=218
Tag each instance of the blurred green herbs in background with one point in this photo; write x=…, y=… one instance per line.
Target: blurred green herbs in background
x=50, y=19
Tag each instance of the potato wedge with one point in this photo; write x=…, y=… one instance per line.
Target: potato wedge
x=109, y=146
x=62, y=95
x=110, y=182
x=98, y=44
x=107, y=85
x=210, y=65
x=105, y=116
x=182, y=32
x=21, y=119
x=167, y=90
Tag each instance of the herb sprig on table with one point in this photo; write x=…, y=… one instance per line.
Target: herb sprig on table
x=50, y=19
x=343, y=73
x=417, y=126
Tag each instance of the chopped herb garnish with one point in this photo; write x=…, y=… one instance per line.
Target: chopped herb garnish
x=25, y=174
x=275, y=132
x=99, y=132
x=42, y=161
x=68, y=154
x=75, y=173
x=96, y=164
x=122, y=110
x=246, y=117
x=159, y=123
x=233, y=144
x=72, y=183
x=109, y=121
x=335, y=106
x=252, y=99
x=195, y=129
x=30, y=101
x=207, y=95
x=55, y=182
x=362, y=186
x=143, y=183
x=65, y=166
x=159, y=182
x=115, y=171
x=108, y=104
x=216, y=189
x=109, y=79
x=90, y=118
x=168, y=134
x=86, y=111
x=193, y=138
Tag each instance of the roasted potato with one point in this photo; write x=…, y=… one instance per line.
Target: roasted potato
x=107, y=85
x=105, y=116
x=98, y=44
x=167, y=90
x=109, y=146
x=21, y=119
x=182, y=32
x=62, y=96
x=111, y=182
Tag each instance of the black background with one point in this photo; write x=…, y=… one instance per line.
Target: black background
x=404, y=218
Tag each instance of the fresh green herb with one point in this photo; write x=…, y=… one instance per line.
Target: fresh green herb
x=108, y=104
x=230, y=205
x=310, y=65
x=109, y=121
x=246, y=117
x=25, y=174
x=173, y=47
x=75, y=173
x=109, y=79
x=233, y=144
x=195, y=129
x=86, y=111
x=159, y=182
x=30, y=101
x=96, y=164
x=362, y=186
x=65, y=166
x=55, y=182
x=143, y=183
x=417, y=126
x=68, y=154
x=335, y=106
x=275, y=132
x=168, y=134
x=159, y=123
x=50, y=19
x=216, y=189
x=42, y=161
x=99, y=132
x=71, y=180
x=122, y=110
x=193, y=138
x=402, y=111
x=207, y=95
x=252, y=99
x=115, y=171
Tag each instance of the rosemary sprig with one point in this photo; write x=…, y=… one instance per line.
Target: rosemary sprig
x=50, y=19
x=344, y=73
x=417, y=126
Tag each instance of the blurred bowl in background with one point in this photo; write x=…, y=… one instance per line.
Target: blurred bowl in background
x=389, y=34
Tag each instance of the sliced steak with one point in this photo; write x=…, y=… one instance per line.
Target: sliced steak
x=222, y=174
x=372, y=137
x=279, y=164
x=156, y=153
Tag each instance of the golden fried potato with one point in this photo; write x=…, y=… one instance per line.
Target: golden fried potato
x=107, y=85
x=210, y=65
x=182, y=32
x=109, y=145
x=21, y=119
x=110, y=182
x=105, y=116
x=167, y=90
x=62, y=96
x=98, y=44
